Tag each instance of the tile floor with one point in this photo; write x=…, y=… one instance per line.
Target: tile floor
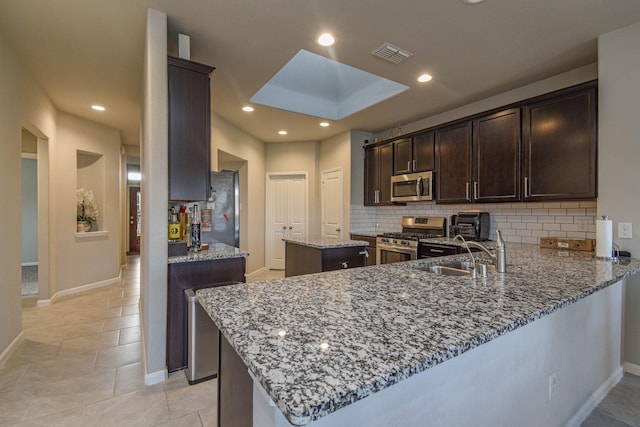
x=80, y=364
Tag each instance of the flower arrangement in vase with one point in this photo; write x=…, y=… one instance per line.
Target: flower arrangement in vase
x=86, y=209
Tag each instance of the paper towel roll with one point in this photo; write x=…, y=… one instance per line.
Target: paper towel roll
x=604, y=238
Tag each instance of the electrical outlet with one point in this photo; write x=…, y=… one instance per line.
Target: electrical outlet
x=553, y=385
x=625, y=230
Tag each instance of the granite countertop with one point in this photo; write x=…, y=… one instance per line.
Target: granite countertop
x=215, y=251
x=322, y=243
x=317, y=343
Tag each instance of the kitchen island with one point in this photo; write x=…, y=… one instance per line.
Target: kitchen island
x=396, y=345
x=316, y=255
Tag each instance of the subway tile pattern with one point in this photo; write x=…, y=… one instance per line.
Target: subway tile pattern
x=519, y=222
x=317, y=343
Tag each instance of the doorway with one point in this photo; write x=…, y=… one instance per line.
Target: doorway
x=332, y=201
x=134, y=221
x=35, y=219
x=287, y=214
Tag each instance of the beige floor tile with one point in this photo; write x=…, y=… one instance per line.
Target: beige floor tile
x=30, y=351
x=67, y=418
x=188, y=399
x=130, y=309
x=72, y=393
x=119, y=356
x=100, y=314
x=135, y=292
x=14, y=405
x=191, y=420
x=89, y=343
x=10, y=375
x=209, y=416
x=146, y=407
x=58, y=368
x=129, y=378
x=121, y=322
x=58, y=334
x=130, y=335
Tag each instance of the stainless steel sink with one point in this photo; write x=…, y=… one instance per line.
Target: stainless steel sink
x=455, y=268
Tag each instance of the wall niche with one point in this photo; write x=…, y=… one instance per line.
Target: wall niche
x=90, y=176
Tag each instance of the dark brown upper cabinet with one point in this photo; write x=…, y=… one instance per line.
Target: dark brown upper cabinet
x=496, y=157
x=378, y=169
x=189, y=130
x=560, y=146
x=414, y=154
x=453, y=171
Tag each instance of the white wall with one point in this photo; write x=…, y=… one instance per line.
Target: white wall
x=618, y=154
x=22, y=104
x=230, y=139
x=154, y=195
x=77, y=258
x=29, y=211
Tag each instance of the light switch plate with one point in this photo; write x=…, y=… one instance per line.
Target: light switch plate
x=625, y=230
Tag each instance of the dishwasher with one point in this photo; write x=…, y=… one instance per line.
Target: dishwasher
x=203, y=342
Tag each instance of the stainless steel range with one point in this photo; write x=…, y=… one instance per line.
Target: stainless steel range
x=403, y=246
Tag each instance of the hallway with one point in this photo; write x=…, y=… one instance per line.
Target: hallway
x=80, y=364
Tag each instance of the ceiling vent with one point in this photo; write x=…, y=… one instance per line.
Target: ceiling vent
x=392, y=53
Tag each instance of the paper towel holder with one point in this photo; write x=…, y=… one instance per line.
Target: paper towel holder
x=613, y=247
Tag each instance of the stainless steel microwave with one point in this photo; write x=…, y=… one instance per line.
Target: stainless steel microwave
x=412, y=187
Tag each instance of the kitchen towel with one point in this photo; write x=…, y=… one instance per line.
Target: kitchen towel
x=604, y=237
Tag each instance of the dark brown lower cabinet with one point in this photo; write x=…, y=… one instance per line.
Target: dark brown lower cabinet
x=301, y=259
x=193, y=275
x=235, y=389
x=371, y=249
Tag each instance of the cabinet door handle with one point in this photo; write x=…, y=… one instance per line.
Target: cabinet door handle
x=475, y=190
x=466, y=190
x=414, y=165
x=376, y=197
x=409, y=165
x=526, y=187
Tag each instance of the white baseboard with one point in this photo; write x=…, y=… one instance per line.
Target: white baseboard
x=10, y=348
x=594, y=400
x=79, y=289
x=256, y=272
x=631, y=368
x=29, y=264
x=156, y=377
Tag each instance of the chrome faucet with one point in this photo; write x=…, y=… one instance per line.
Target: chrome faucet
x=500, y=256
x=473, y=260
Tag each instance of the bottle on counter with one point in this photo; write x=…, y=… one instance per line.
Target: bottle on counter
x=195, y=230
x=174, y=226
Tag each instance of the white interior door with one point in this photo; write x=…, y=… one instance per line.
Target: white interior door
x=286, y=215
x=332, y=204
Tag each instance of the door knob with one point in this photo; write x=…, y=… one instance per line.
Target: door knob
x=284, y=227
x=337, y=230
x=290, y=227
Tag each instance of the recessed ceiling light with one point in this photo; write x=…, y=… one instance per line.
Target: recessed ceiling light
x=326, y=39
x=282, y=132
x=424, y=78
x=247, y=108
x=324, y=124
x=472, y=1
x=98, y=107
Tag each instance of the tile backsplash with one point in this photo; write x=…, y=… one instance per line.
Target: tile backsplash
x=519, y=222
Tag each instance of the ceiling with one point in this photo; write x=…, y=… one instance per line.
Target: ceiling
x=87, y=51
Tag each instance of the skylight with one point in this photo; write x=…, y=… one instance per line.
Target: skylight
x=317, y=86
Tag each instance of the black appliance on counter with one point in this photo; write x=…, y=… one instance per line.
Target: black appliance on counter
x=472, y=225
x=404, y=246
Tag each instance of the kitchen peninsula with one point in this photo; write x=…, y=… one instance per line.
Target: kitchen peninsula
x=220, y=264
x=396, y=345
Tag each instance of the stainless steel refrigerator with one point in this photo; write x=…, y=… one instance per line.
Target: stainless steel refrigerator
x=225, y=210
